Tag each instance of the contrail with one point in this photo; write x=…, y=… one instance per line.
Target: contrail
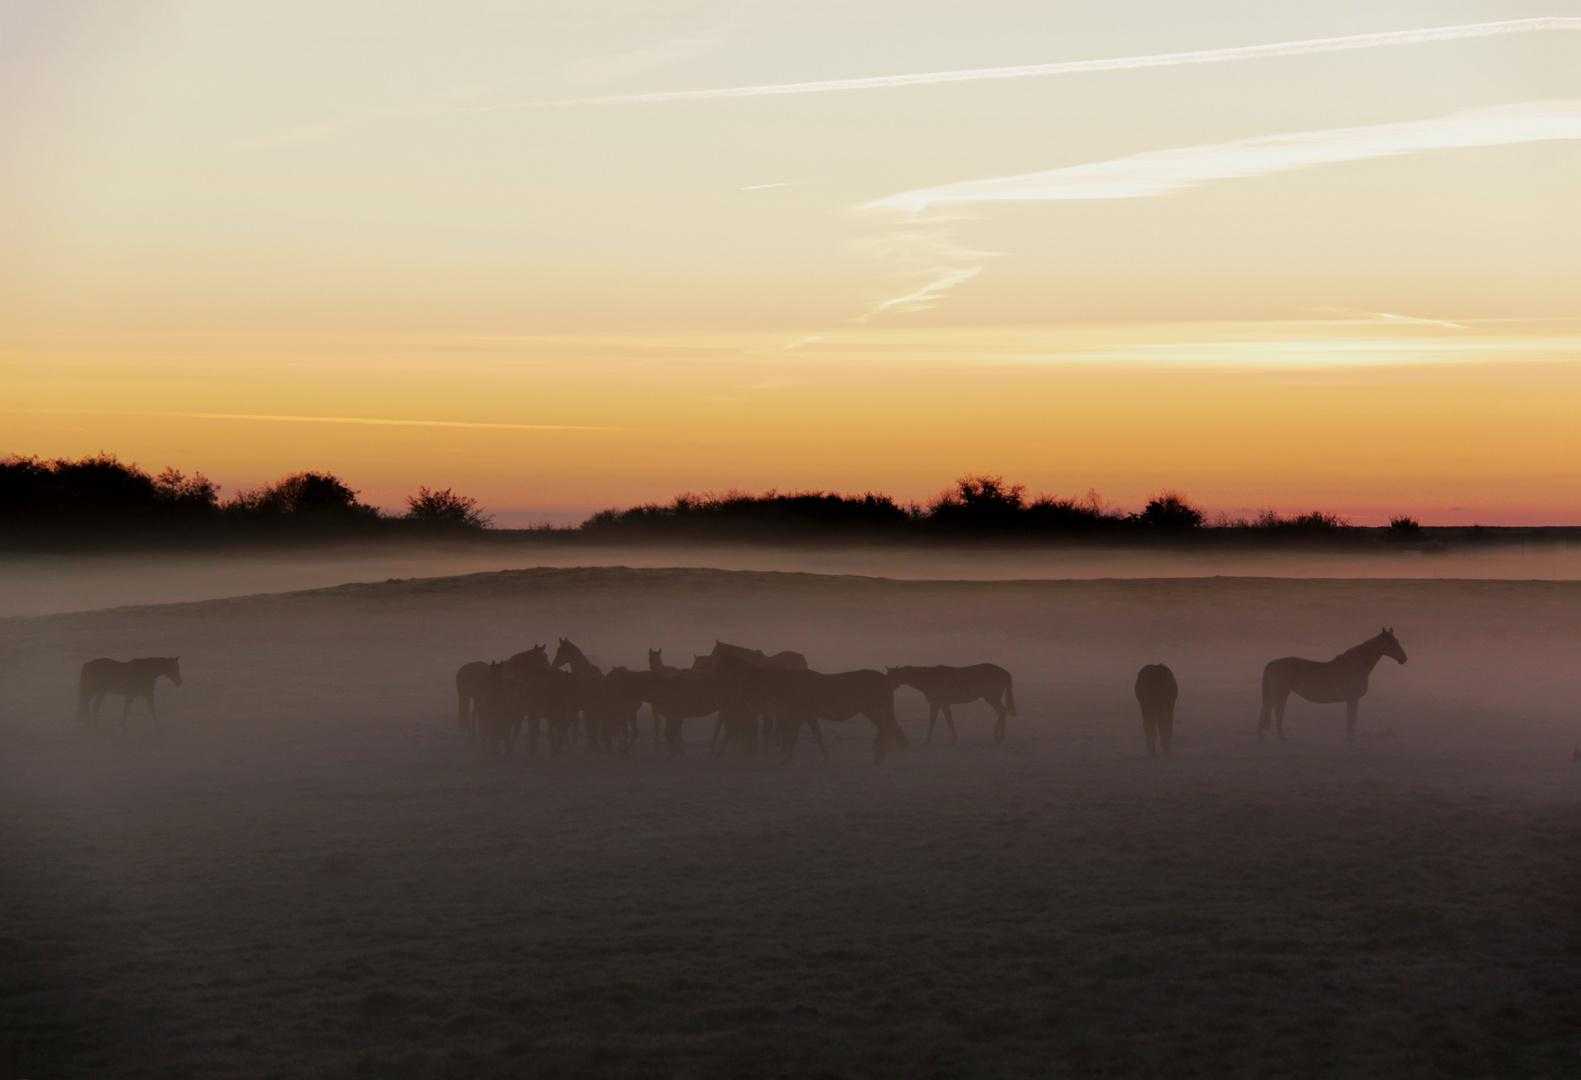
x=375, y=421
x=1161, y=172
x=1074, y=67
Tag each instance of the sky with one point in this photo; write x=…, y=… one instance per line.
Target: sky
x=564, y=256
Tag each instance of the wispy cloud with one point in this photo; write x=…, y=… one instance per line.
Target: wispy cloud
x=924, y=252
x=1390, y=317
x=1074, y=67
x=1163, y=172
x=764, y=187
x=921, y=239
x=280, y=418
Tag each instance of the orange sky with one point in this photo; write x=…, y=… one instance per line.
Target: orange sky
x=252, y=238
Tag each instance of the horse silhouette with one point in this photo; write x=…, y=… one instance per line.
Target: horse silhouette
x=1325, y=682
x=787, y=660
x=128, y=679
x=1156, y=691
x=471, y=683
x=944, y=686
x=803, y=698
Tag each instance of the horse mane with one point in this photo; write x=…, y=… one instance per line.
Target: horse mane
x=1358, y=650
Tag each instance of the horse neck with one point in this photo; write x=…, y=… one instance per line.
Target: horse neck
x=1367, y=654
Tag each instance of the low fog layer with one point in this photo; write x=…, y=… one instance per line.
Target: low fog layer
x=33, y=584
x=306, y=868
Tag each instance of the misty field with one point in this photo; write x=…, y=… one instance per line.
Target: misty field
x=307, y=872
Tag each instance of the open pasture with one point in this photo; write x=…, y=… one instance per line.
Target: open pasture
x=306, y=871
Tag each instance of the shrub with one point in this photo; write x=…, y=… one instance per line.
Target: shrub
x=1171, y=510
x=445, y=508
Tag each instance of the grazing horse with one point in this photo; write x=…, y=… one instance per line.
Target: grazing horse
x=128, y=679
x=806, y=697
x=1156, y=691
x=471, y=681
x=540, y=695
x=944, y=686
x=1325, y=682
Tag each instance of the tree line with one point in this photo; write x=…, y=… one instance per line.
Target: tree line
x=101, y=494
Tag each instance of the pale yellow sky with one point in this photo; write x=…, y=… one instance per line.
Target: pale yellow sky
x=1344, y=278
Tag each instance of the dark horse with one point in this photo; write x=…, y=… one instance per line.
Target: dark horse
x=1326, y=682
x=128, y=679
x=944, y=686
x=1156, y=691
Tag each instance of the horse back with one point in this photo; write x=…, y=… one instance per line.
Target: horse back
x=122, y=677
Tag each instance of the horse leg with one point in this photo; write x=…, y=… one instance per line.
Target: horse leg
x=999, y=726
x=1150, y=730
x=152, y=712
x=1166, y=731
x=1350, y=719
x=949, y=719
x=1279, y=716
x=933, y=718
x=713, y=741
x=817, y=734
x=126, y=710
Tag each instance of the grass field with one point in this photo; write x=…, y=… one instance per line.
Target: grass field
x=306, y=872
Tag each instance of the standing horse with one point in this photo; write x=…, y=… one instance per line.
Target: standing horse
x=471, y=683
x=1156, y=691
x=128, y=679
x=944, y=686
x=1325, y=682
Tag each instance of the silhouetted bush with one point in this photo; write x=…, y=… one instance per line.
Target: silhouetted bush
x=445, y=509
x=738, y=514
x=1404, y=528
x=304, y=495
x=1171, y=510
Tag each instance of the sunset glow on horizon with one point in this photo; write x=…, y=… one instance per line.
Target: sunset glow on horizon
x=1286, y=257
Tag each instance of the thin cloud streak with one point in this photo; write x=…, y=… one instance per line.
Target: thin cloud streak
x=1074, y=67
x=275, y=418
x=1164, y=172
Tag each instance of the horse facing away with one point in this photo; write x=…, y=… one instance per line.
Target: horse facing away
x=1325, y=682
x=127, y=678
x=1156, y=691
x=944, y=686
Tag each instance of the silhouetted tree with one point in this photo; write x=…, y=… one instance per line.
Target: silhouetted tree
x=1171, y=510
x=445, y=508
x=308, y=494
x=979, y=501
x=194, y=493
x=1402, y=527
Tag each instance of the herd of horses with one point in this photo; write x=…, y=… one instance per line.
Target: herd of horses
x=759, y=700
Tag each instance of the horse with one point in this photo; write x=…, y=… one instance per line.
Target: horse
x=1325, y=682
x=787, y=660
x=680, y=696
x=497, y=711
x=806, y=697
x=1156, y=691
x=736, y=726
x=944, y=686
x=540, y=694
x=128, y=679
x=471, y=680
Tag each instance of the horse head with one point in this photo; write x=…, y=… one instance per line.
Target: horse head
x=1391, y=645
x=172, y=669
x=565, y=654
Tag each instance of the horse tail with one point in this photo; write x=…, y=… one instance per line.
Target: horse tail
x=1010, y=694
